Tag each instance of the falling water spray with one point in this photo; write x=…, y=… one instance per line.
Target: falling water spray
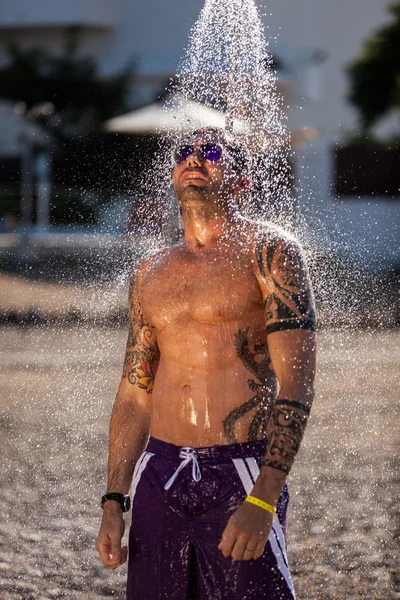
x=227, y=69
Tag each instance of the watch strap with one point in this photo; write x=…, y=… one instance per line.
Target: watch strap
x=123, y=500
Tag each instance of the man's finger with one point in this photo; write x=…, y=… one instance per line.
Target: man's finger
x=103, y=546
x=248, y=554
x=228, y=540
x=240, y=547
x=124, y=554
x=245, y=552
x=259, y=550
x=122, y=558
x=250, y=548
x=115, y=551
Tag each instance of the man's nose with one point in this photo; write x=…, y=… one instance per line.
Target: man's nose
x=196, y=158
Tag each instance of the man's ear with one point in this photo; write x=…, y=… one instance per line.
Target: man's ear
x=242, y=185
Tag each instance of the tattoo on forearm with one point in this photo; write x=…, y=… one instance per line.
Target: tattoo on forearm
x=285, y=432
x=258, y=362
x=294, y=405
x=142, y=354
x=290, y=303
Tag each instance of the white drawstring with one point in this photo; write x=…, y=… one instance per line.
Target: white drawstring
x=187, y=454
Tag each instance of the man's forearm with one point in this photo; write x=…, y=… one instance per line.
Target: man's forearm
x=129, y=430
x=285, y=432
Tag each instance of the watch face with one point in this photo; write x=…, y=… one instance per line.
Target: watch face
x=126, y=502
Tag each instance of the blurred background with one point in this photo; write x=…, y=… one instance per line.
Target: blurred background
x=81, y=86
x=80, y=90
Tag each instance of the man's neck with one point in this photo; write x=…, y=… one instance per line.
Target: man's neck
x=205, y=226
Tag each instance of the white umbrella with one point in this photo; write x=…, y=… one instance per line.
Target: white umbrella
x=176, y=116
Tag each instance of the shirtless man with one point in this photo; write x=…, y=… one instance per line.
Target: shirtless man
x=219, y=372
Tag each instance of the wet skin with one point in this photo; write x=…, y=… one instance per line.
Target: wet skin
x=198, y=302
x=219, y=323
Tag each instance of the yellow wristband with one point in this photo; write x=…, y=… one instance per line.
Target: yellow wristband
x=268, y=507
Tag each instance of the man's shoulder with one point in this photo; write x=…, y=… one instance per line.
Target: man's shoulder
x=266, y=233
x=145, y=264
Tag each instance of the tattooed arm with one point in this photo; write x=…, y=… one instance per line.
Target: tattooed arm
x=130, y=419
x=130, y=422
x=290, y=323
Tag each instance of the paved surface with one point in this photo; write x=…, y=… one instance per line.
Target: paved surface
x=56, y=393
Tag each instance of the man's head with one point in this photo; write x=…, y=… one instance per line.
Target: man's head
x=209, y=166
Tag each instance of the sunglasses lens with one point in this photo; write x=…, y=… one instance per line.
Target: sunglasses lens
x=211, y=152
x=183, y=153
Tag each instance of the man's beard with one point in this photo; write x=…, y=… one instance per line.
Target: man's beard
x=204, y=202
x=194, y=192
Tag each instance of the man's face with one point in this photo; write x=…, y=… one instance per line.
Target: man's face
x=197, y=177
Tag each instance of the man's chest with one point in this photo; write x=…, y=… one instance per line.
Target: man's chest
x=210, y=289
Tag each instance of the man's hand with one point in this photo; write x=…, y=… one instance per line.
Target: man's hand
x=246, y=533
x=108, y=543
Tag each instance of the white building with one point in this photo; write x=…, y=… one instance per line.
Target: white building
x=314, y=39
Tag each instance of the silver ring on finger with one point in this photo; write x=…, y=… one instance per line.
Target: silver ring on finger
x=249, y=549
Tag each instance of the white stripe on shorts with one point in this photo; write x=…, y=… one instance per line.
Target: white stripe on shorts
x=243, y=474
x=253, y=467
x=139, y=468
x=276, y=534
x=280, y=537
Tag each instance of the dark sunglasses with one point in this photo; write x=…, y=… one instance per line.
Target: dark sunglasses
x=211, y=152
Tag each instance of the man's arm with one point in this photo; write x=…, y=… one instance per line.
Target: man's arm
x=129, y=425
x=290, y=325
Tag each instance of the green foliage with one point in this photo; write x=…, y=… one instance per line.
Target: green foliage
x=69, y=82
x=375, y=73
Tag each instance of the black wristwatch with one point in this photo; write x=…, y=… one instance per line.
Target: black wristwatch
x=123, y=500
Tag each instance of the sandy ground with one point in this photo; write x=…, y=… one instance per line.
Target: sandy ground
x=60, y=300
x=56, y=391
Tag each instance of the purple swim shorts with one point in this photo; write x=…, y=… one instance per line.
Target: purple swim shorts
x=182, y=500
